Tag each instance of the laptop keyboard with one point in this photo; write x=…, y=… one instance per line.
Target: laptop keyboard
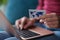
x=26, y=33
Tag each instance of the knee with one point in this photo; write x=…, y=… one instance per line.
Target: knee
x=4, y=35
x=57, y=33
x=11, y=38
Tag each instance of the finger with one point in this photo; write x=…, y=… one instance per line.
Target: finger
x=17, y=23
x=53, y=23
x=41, y=21
x=50, y=15
x=53, y=13
x=53, y=26
x=23, y=22
x=33, y=19
x=29, y=24
x=51, y=19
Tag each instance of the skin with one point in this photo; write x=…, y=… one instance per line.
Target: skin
x=25, y=22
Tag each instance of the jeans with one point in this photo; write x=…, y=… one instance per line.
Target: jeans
x=53, y=37
x=4, y=35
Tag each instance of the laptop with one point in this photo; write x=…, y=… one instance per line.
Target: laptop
x=30, y=33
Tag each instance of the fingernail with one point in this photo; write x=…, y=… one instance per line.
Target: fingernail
x=41, y=20
x=20, y=27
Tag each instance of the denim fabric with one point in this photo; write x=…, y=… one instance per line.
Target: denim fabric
x=11, y=38
x=53, y=37
x=4, y=35
x=57, y=33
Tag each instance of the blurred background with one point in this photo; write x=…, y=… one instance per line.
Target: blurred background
x=2, y=9
x=15, y=9
x=2, y=4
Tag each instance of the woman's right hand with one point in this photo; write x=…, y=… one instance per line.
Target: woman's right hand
x=24, y=23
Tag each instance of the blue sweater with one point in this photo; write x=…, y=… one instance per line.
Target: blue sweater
x=18, y=8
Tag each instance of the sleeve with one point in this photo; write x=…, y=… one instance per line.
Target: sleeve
x=40, y=4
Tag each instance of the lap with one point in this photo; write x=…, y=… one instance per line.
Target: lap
x=57, y=33
x=11, y=38
x=53, y=37
x=4, y=35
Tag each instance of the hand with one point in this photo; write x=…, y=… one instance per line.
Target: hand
x=24, y=23
x=51, y=20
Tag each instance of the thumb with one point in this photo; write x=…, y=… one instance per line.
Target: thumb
x=41, y=21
